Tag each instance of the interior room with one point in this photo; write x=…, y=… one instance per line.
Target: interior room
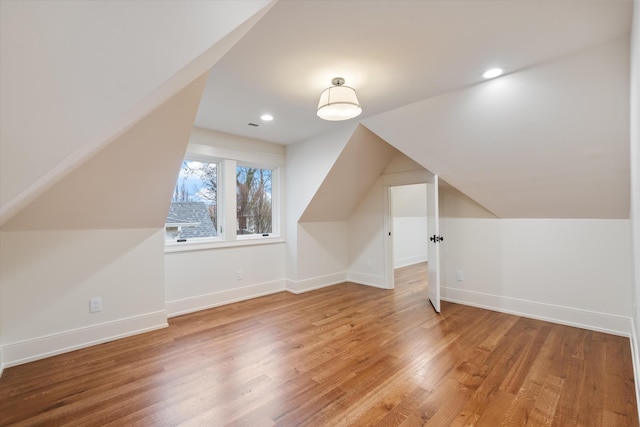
x=166, y=165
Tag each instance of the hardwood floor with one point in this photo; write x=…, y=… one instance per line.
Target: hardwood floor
x=343, y=355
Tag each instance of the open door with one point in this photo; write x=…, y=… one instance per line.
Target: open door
x=433, y=248
x=409, y=178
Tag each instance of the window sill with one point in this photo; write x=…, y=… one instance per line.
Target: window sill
x=219, y=244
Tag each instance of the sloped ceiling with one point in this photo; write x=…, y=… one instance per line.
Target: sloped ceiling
x=393, y=52
x=356, y=169
x=76, y=75
x=548, y=139
x=129, y=183
x=551, y=140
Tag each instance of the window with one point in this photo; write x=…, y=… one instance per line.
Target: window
x=193, y=213
x=219, y=201
x=254, y=213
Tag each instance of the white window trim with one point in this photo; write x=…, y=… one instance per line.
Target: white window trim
x=228, y=219
x=206, y=244
x=275, y=195
x=219, y=166
x=227, y=215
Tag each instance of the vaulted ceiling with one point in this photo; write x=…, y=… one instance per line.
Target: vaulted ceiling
x=394, y=52
x=89, y=87
x=548, y=139
x=551, y=140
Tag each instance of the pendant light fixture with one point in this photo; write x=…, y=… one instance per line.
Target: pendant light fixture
x=338, y=102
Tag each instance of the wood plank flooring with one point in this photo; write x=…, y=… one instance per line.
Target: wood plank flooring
x=347, y=355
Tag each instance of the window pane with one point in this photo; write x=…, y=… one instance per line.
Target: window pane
x=194, y=205
x=253, y=200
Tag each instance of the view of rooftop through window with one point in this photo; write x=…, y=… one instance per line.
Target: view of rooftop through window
x=195, y=203
x=193, y=211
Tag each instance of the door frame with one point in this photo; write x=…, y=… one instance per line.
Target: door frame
x=388, y=181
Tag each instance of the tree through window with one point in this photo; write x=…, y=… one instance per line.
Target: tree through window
x=254, y=200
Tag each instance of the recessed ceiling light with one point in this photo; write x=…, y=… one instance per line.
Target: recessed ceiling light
x=266, y=117
x=494, y=72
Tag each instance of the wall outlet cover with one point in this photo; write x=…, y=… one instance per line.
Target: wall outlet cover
x=95, y=305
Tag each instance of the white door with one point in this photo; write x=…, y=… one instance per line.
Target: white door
x=433, y=248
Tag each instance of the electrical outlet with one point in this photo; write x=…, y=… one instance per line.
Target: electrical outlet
x=95, y=305
x=459, y=275
x=239, y=275
x=369, y=263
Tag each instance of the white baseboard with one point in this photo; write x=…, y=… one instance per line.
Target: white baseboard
x=21, y=352
x=366, y=279
x=1, y=362
x=306, y=285
x=405, y=262
x=592, y=320
x=215, y=299
x=635, y=357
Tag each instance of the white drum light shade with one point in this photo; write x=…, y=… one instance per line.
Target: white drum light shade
x=338, y=102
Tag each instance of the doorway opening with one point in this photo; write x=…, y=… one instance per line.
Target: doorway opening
x=408, y=212
x=408, y=209
x=409, y=222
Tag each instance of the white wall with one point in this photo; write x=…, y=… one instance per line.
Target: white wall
x=307, y=165
x=635, y=181
x=200, y=279
x=573, y=271
x=369, y=263
x=356, y=169
x=455, y=204
x=48, y=277
x=410, y=234
x=348, y=245
x=366, y=234
x=92, y=232
x=323, y=247
x=322, y=255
